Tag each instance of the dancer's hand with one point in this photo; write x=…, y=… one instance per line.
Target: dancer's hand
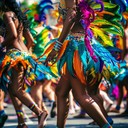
x=52, y=58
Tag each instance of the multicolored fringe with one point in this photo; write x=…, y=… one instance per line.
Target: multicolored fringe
x=98, y=20
x=75, y=57
x=34, y=69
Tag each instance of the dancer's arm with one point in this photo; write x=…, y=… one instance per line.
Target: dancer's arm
x=29, y=38
x=69, y=21
x=11, y=33
x=67, y=26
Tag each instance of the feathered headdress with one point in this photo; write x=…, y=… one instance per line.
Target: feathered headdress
x=39, y=10
x=100, y=20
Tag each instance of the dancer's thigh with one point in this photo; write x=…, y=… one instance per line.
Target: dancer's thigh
x=63, y=87
x=17, y=78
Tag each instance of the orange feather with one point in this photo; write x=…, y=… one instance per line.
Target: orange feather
x=4, y=62
x=64, y=68
x=77, y=65
x=62, y=50
x=48, y=50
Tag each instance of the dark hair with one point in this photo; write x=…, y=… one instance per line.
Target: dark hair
x=2, y=28
x=13, y=6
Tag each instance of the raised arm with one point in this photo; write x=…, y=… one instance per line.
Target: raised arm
x=69, y=21
x=67, y=26
x=29, y=38
x=11, y=31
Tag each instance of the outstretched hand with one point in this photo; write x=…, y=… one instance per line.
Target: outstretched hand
x=52, y=57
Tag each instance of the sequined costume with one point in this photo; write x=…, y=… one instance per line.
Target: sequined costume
x=33, y=69
x=40, y=31
x=85, y=53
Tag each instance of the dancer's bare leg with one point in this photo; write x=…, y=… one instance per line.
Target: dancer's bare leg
x=37, y=95
x=48, y=90
x=16, y=87
x=120, y=97
x=87, y=102
x=18, y=108
x=106, y=99
x=1, y=100
x=50, y=93
x=125, y=82
x=62, y=92
x=93, y=91
x=98, y=99
x=121, y=93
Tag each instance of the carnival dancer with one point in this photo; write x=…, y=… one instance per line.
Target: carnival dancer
x=79, y=56
x=18, y=67
x=3, y=115
x=38, y=13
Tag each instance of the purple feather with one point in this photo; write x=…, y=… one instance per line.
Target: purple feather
x=101, y=3
x=87, y=17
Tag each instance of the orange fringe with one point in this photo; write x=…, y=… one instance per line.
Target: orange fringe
x=104, y=12
x=64, y=69
x=77, y=65
x=125, y=14
x=6, y=59
x=47, y=50
x=62, y=50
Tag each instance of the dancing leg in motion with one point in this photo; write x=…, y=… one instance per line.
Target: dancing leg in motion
x=37, y=95
x=15, y=88
x=62, y=92
x=87, y=103
x=18, y=108
x=121, y=84
x=93, y=91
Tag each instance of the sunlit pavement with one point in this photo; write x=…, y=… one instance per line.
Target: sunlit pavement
x=119, y=122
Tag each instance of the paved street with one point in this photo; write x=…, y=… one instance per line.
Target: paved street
x=119, y=122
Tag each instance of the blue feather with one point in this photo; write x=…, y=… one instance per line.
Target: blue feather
x=83, y=54
x=106, y=57
x=70, y=62
x=122, y=3
x=61, y=63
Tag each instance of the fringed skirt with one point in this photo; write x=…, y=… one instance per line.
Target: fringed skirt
x=33, y=69
x=74, y=57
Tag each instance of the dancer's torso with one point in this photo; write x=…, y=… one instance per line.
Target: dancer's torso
x=17, y=43
x=77, y=26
